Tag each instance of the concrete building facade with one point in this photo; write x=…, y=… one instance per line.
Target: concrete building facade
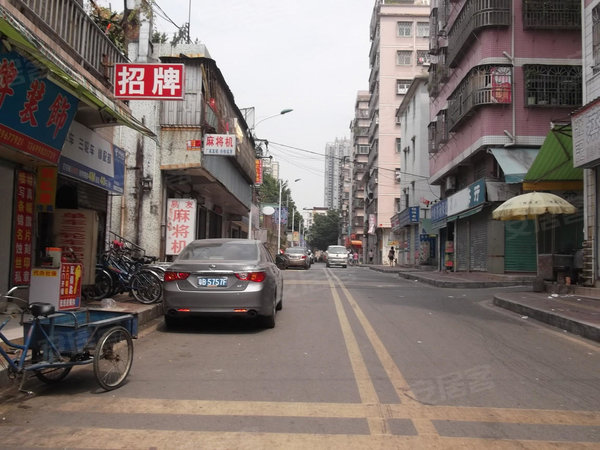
x=399, y=33
x=586, y=139
x=504, y=78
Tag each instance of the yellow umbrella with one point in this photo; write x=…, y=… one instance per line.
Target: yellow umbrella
x=532, y=205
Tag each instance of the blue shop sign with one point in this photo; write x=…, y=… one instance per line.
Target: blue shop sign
x=88, y=157
x=409, y=216
x=35, y=114
x=439, y=211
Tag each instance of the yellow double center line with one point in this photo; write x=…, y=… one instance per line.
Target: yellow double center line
x=368, y=394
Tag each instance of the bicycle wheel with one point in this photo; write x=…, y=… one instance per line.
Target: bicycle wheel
x=146, y=286
x=113, y=358
x=102, y=287
x=52, y=375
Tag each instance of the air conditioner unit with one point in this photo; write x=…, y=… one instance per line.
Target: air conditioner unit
x=450, y=183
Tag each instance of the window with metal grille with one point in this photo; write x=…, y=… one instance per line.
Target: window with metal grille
x=423, y=57
x=549, y=85
x=423, y=29
x=404, y=57
x=363, y=149
x=552, y=14
x=402, y=86
x=404, y=29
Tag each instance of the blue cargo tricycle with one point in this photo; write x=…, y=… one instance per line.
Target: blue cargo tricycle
x=56, y=341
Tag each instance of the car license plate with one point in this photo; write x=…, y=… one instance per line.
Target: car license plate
x=212, y=282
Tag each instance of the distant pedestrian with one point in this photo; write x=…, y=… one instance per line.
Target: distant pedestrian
x=392, y=256
x=356, y=258
x=371, y=256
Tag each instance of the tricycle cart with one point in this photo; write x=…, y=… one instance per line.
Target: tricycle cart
x=55, y=342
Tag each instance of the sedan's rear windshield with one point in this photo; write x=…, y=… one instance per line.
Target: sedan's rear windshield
x=336, y=249
x=225, y=251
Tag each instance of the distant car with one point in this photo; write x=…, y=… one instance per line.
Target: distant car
x=298, y=257
x=336, y=255
x=223, y=277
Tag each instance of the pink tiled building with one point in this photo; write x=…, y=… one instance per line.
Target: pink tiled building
x=503, y=80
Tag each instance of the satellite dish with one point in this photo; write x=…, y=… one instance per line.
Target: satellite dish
x=268, y=210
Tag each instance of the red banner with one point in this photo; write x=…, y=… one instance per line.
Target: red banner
x=23, y=229
x=149, y=81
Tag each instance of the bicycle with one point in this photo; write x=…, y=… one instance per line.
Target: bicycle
x=119, y=271
x=55, y=342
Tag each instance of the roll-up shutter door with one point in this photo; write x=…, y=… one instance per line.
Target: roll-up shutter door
x=479, y=242
x=519, y=246
x=461, y=244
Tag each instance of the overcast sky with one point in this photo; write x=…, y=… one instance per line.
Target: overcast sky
x=308, y=55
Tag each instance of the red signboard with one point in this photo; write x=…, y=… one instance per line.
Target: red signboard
x=149, y=81
x=23, y=229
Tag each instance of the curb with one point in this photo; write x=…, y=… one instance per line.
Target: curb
x=463, y=284
x=578, y=327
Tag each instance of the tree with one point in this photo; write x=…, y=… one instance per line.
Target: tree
x=325, y=230
x=268, y=192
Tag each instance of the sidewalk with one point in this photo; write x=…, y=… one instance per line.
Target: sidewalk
x=575, y=309
x=146, y=313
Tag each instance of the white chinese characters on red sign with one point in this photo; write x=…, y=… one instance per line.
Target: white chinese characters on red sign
x=181, y=224
x=149, y=81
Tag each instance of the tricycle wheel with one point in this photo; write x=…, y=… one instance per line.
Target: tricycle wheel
x=52, y=375
x=113, y=357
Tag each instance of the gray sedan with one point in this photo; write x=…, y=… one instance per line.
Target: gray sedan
x=298, y=257
x=223, y=277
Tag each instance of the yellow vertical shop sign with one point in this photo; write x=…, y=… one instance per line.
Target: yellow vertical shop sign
x=45, y=192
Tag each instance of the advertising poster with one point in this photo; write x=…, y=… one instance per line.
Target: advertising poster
x=181, y=224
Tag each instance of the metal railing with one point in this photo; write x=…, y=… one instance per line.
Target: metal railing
x=474, y=15
x=483, y=85
x=67, y=24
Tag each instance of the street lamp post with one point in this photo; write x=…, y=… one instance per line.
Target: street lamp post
x=283, y=111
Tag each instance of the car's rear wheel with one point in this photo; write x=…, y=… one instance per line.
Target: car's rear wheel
x=269, y=321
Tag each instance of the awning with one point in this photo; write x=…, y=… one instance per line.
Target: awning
x=515, y=162
x=356, y=243
x=19, y=37
x=554, y=162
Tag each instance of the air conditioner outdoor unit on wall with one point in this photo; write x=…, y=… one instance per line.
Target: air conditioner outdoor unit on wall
x=450, y=183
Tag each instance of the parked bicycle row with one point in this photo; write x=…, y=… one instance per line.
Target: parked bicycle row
x=124, y=267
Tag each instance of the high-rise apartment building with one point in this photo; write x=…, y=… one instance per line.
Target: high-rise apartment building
x=399, y=33
x=504, y=79
x=360, y=156
x=335, y=152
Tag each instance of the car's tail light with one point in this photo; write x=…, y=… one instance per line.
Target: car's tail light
x=176, y=276
x=257, y=277
x=303, y=256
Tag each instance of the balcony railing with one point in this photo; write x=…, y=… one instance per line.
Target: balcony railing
x=475, y=15
x=552, y=14
x=483, y=85
x=67, y=24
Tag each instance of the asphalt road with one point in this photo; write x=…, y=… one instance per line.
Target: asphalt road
x=358, y=359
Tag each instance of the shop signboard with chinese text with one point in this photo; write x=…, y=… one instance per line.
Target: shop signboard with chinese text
x=90, y=158
x=45, y=192
x=219, y=144
x=181, y=224
x=23, y=229
x=586, y=135
x=467, y=198
x=35, y=114
x=149, y=81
